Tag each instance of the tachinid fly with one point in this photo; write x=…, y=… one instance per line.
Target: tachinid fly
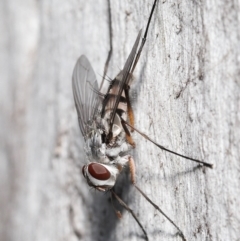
x=106, y=121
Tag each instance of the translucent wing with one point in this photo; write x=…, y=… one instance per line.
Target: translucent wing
x=125, y=77
x=85, y=87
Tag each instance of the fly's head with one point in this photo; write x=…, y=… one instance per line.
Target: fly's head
x=100, y=176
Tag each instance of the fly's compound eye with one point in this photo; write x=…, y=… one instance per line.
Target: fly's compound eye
x=98, y=171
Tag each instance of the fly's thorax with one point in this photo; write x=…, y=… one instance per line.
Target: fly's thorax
x=119, y=150
x=101, y=176
x=98, y=151
x=95, y=145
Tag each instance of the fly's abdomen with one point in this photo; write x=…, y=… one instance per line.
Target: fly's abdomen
x=111, y=98
x=117, y=103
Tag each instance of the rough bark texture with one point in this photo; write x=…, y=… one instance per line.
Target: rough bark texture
x=186, y=96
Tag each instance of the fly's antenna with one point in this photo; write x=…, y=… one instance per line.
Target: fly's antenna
x=165, y=149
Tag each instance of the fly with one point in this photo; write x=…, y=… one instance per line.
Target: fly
x=106, y=121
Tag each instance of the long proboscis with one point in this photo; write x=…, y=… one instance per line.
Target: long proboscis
x=165, y=149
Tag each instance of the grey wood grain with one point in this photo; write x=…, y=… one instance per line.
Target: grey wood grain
x=186, y=96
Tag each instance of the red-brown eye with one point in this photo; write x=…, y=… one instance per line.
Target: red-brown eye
x=98, y=171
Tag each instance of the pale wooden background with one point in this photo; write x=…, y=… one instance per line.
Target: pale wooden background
x=186, y=97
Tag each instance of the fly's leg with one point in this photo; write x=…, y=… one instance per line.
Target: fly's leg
x=128, y=70
x=127, y=160
x=118, y=213
x=132, y=169
x=165, y=149
x=129, y=108
x=131, y=211
x=144, y=37
x=132, y=173
x=110, y=42
x=128, y=135
x=159, y=210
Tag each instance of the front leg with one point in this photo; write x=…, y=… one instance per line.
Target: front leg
x=131, y=165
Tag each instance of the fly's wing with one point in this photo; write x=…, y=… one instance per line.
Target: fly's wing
x=85, y=88
x=125, y=78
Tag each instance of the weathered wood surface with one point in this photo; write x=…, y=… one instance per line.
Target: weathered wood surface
x=186, y=97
